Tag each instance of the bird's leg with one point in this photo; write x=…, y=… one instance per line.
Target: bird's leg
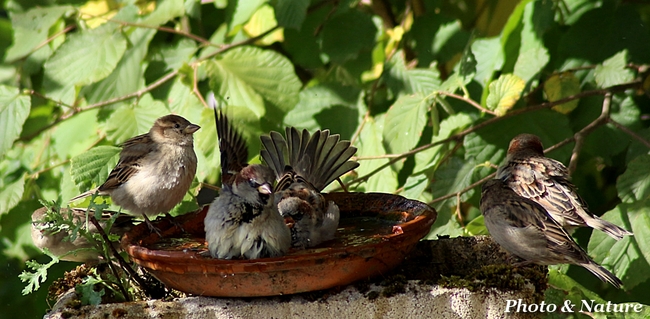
x=151, y=227
x=173, y=220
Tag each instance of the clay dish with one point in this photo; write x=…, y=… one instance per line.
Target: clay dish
x=376, y=232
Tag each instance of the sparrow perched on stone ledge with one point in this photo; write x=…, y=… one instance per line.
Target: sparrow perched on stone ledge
x=155, y=169
x=43, y=237
x=305, y=165
x=243, y=222
x=546, y=181
x=524, y=228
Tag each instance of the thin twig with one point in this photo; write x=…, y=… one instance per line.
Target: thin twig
x=464, y=190
x=459, y=136
x=119, y=258
x=468, y=101
x=580, y=135
x=629, y=132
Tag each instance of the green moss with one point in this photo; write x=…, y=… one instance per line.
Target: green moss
x=500, y=276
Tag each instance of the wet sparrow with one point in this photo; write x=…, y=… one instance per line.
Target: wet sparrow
x=155, y=170
x=305, y=165
x=523, y=228
x=243, y=222
x=546, y=181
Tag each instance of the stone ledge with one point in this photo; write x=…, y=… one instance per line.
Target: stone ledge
x=408, y=292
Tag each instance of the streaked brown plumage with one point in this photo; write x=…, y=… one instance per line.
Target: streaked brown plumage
x=523, y=228
x=155, y=169
x=546, y=181
x=305, y=164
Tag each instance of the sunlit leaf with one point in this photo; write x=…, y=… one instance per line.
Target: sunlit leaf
x=634, y=184
x=627, y=258
x=246, y=76
x=30, y=29
x=263, y=20
x=93, y=166
x=14, y=109
x=404, y=123
x=127, y=122
x=504, y=93
x=562, y=85
x=613, y=71
x=10, y=194
x=370, y=144
x=84, y=58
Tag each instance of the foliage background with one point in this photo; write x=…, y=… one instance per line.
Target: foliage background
x=430, y=92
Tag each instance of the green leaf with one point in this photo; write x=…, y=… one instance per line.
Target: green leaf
x=634, y=184
x=404, y=123
x=76, y=134
x=452, y=177
x=10, y=194
x=84, y=58
x=86, y=291
x=370, y=143
x=93, y=166
x=627, y=258
x=477, y=227
x=531, y=62
x=127, y=122
x=31, y=28
x=128, y=74
x=291, y=13
x=504, y=93
x=318, y=98
x=415, y=185
x=409, y=81
x=430, y=158
x=613, y=71
x=346, y=35
x=14, y=110
x=243, y=10
x=246, y=76
x=489, y=58
x=166, y=10
x=562, y=85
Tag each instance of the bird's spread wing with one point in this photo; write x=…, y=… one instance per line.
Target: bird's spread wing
x=234, y=154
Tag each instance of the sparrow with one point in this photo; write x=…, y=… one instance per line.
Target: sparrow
x=525, y=229
x=546, y=181
x=243, y=221
x=304, y=166
x=78, y=250
x=154, y=171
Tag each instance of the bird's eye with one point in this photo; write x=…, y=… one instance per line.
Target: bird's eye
x=253, y=183
x=177, y=125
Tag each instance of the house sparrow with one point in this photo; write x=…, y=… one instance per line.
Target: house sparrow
x=78, y=250
x=155, y=170
x=305, y=165
x=243, y=222
x=546, y=181
x=525, y=229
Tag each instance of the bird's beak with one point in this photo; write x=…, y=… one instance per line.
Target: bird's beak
x=190, y=129
x=265, y=189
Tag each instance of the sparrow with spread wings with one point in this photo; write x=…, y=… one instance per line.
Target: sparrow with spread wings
x=243, y=221
x=305, y=164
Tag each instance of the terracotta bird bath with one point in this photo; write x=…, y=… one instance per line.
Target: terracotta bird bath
x=376, y=231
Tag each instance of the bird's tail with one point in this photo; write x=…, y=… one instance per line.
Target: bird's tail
x=319, y=158
x=84, y=195
x=603, y=274
x=608, y=228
